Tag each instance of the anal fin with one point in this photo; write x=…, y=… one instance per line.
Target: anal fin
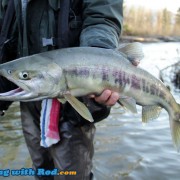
x=150, y=112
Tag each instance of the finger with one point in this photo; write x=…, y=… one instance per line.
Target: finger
x=113, y=99
x=103, y=97
x=91, y=96
x=135, y=62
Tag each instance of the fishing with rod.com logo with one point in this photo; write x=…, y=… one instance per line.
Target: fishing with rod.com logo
x=32, y=172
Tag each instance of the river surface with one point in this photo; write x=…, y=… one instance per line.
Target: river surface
x=125, y=149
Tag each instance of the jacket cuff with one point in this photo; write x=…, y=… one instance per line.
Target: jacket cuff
x=98, y=111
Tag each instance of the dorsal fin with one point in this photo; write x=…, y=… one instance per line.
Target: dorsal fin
x=133, y=51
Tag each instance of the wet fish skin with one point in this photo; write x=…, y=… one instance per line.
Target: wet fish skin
x=74, y=72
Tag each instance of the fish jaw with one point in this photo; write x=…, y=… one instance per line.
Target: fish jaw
x=17, y=94
x=31, y=90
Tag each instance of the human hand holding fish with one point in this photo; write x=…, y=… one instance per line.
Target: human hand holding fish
x=107, y=97
x=73, y=72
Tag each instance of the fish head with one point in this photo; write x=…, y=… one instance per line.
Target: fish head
x=36, y=79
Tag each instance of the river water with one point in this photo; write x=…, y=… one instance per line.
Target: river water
x=125, y=149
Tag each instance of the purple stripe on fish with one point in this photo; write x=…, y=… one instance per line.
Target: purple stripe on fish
x=162, y=95
x=105, y=75
x=135, y=82
x=126, y=78
x=83, y=72
x=117, y=77
x=154, y=90
x=145, y=86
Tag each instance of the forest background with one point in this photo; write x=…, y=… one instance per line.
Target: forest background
x=141, y=21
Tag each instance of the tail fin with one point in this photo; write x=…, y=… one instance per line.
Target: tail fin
x=175, y=128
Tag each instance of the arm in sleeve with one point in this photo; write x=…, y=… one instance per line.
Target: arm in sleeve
x=102, y=25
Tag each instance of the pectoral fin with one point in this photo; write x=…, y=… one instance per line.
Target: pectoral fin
x=79, y=107
x=150, y=112
x=129, y=103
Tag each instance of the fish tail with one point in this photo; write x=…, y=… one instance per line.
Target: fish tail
x=175, y=127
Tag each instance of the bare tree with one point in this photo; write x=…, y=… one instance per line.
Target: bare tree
x=176, y=30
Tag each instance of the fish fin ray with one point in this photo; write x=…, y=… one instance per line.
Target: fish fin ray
x=133, y=51
x=150, y=112
x=62, y=100
x=128, y=103
x=79, y=107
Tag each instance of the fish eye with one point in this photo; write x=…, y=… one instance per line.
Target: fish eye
x=9, y=71
x=24, y=75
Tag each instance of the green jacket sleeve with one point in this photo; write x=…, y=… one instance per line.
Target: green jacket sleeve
x=102, y=23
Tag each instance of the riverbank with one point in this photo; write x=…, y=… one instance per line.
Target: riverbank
x=150, y=39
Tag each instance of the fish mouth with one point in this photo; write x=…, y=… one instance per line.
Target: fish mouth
x=18, y=94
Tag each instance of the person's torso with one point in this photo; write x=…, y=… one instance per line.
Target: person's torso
x=42, y=26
